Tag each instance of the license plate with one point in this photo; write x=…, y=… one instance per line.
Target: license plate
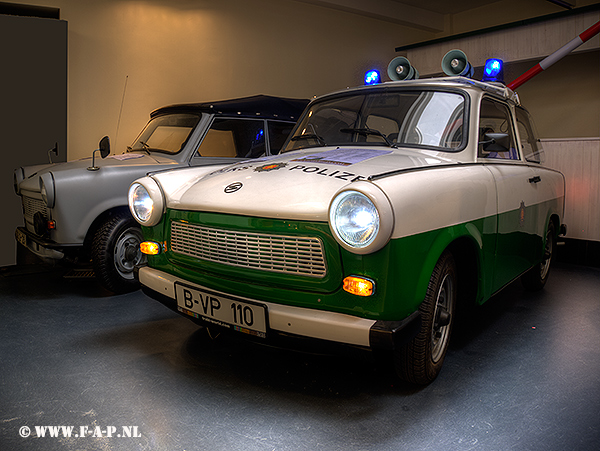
x=21, y=238
x=242, y=316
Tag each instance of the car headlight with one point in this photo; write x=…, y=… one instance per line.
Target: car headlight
x=47, y=189
x=361, y=220
x=146, y=201
x=18, y=177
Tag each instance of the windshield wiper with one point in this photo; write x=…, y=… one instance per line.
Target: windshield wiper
x=368, y=131
x=314, y=136
x=145, y=146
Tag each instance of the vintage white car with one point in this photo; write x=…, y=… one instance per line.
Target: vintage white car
x=389, y=207
x=77, y=211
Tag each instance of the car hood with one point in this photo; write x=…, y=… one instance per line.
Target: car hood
x=78, y=168
x=296, y=185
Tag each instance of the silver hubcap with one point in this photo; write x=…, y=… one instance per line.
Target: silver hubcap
x=442, y=318
x=127, y=253
x=545, y=265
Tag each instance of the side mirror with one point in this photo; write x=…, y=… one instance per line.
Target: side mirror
x=496, y=142
x=54, y=151
x=104, y=149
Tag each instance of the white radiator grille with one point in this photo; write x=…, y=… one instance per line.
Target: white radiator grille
x=31, y=206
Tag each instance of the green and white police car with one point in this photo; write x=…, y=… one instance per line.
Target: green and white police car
x=389, y=206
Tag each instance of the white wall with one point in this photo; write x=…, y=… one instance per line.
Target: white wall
x=579, y=161
x=201, y=50
x=172, y=51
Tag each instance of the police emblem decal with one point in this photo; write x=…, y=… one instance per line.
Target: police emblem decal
x=270, y=167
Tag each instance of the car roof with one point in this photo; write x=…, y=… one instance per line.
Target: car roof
x=496, y=89
x=266, y=107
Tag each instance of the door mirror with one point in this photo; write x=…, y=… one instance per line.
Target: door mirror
x=496, y=142
x=54, y=151
x=104, y=147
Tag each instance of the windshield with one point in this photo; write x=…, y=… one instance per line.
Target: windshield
x=428, y=119
x=167, y=134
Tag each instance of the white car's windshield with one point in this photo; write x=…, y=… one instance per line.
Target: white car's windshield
x=428, y=119
x=167, y=134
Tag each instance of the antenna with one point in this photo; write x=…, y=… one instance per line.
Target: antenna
x=121, y=111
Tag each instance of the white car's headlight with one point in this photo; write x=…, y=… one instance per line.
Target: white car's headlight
x=146, y=201
x=361, y=220
x=18, y=177
x=47, y=189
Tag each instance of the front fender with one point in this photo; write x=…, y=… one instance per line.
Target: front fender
x=434, y=210
x=81, y=197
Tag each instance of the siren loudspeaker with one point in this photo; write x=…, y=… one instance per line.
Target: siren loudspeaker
x=455, y=63
x=401, y=69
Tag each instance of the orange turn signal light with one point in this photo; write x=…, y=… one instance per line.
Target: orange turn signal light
x=359, y=286
x=150, y=248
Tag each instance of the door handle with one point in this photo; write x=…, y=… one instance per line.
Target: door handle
x=535, y=179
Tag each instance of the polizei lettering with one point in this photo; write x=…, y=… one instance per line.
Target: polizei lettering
x=342, y=175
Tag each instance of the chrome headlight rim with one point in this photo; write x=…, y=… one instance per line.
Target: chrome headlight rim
x=47, y=189
x=370, y=194
x=18, y=177
x=145, y=194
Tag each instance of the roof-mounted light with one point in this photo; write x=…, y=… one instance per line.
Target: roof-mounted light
x=493, y=70
x=372, y=77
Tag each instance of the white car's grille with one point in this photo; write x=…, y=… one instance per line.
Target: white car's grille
x=31, y=206
x=277, y=253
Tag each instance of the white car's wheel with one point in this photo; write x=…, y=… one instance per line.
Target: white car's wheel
x=420, y=360
x=536, y=277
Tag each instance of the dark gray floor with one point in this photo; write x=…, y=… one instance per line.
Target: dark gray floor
x=523, y=374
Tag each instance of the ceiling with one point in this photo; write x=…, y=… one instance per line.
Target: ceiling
x=426, y=15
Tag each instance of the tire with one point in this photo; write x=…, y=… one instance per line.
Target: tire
x=420, y=360
x=536, y=277
x=116, y=252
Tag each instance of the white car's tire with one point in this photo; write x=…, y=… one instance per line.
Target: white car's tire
x=420, y=360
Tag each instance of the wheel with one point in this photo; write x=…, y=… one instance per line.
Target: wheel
x=536, y=277
x=420, y=360
x=116, y=252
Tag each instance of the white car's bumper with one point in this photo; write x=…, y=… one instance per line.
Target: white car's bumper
x=303, y=322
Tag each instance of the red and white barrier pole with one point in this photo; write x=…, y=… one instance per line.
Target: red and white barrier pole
x=559, y=54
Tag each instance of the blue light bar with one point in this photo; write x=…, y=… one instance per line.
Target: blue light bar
x=493, y=70
x=372, y=77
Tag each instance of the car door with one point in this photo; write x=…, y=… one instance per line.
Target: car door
x=517, y=238
x=546, y=183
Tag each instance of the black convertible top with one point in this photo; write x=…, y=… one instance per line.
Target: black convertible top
x=268, y=107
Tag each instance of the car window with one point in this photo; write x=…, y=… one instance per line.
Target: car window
x=167, y=134
x=428, y=119
x=230, y=138
x=531, y=145
x=278, y=133
x=495, y=117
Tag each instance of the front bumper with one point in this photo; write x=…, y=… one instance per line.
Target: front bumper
x=302, y=322
x=44, y=249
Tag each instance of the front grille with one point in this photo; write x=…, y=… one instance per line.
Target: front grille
x=277, y=253
x=31, y=206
